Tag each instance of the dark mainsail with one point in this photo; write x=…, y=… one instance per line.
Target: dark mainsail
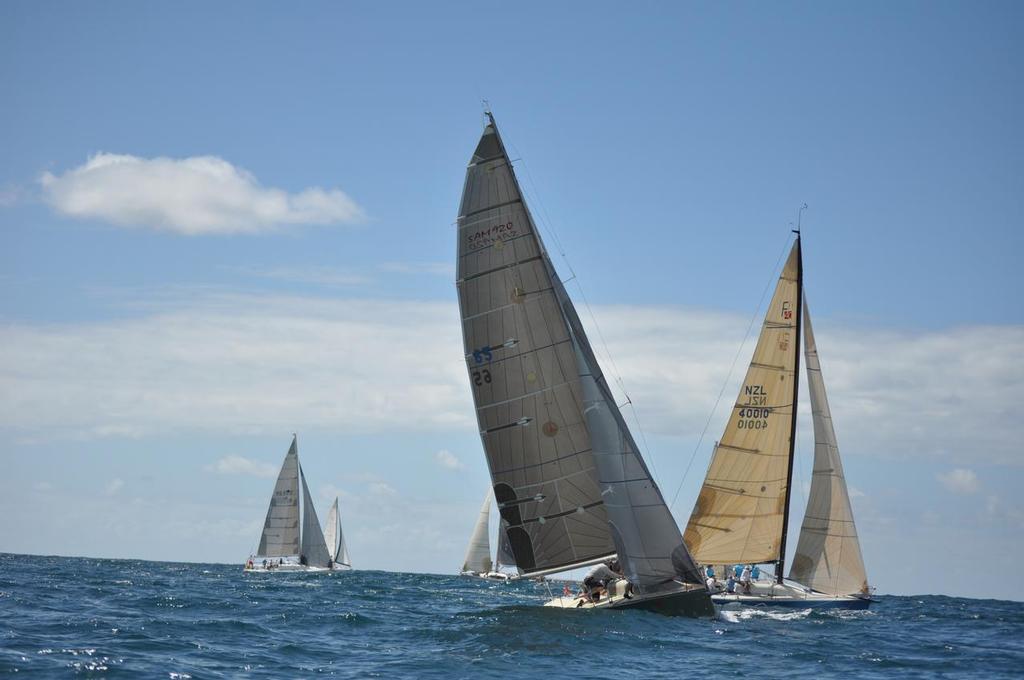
x=567, y=475
x=523, y=374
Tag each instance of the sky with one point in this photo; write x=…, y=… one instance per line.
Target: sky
x=222, y=224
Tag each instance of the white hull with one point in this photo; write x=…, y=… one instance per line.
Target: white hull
x=788, y=594
x=286, y=568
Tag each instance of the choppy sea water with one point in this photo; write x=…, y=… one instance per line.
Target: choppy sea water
x=67, y=616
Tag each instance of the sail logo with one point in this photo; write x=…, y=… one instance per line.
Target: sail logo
x=787, y=310
x=481, y=238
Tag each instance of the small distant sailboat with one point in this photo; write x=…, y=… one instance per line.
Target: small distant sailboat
x=334, y=538
x=742, y=512
x=283, y=545
x=567, y=475
x=478, y=553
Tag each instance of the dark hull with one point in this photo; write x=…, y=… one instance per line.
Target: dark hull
x=695, y=603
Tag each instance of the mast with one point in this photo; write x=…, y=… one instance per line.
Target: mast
x=796, y=392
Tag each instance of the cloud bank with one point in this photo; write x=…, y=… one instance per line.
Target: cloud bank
x=198, y=195
x=265, y=363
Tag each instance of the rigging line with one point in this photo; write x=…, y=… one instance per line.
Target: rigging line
x=549, y=227
x=728, y=377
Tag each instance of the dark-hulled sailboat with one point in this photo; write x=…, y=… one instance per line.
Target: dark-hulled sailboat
x=568, y=478
x=742, y=512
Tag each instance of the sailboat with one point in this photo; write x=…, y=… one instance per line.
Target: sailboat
x=284, y=546
x=742, y=511
x=334, y=539
x=478, y=552
x=568, y=478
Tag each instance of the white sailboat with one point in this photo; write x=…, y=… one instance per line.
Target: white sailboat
x=478, y=552
x=334, y=539
x=742, y=512
x=283, y=545
x=567, y=476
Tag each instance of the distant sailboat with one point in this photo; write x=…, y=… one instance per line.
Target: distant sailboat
x=334, y=538
x=478, y=553
x=567, y=476
x=283, y=546
x=742, y=512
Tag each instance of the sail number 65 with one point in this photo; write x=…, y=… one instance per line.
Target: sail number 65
x=481, y=377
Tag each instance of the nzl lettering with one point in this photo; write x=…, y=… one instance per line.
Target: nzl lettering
x=755, y=395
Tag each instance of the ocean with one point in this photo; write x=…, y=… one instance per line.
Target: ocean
x=78, y=616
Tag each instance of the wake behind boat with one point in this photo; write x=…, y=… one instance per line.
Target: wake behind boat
x=567, y=475
x=283, y=545
x=742, y=512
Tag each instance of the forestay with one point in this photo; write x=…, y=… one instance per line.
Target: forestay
x=280, y=535
x=523, y=375
x=740, y=512
x=478, y=554
x=828, y=557
x=313, y=547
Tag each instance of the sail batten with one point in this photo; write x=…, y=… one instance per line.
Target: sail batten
x=828, y=556
x=739, y=515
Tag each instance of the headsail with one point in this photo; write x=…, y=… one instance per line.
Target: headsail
x=828, y=557
x=280, y=535
x=313, y=547
x=741, y=511
x=522, y=367
x=647, y=539
x=478, y=554
x=504, y=558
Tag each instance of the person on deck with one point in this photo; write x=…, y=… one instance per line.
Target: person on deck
x=599, y=577
x=710, y=580
x=730, y=585
x=745, y=579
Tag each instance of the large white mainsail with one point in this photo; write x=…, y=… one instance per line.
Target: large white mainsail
x=567, y=475
x=478, y=553
x=314, y=550
x=525, y=382
x=280, y=537
x=740, y=514
x=828, y=557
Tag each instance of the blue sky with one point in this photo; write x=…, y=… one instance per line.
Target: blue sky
x=667, y=146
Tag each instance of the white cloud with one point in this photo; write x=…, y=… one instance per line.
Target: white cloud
x=447, y=459
x=42, y=487
x=269, y=363
x=960, y=481
x=113, y=486
x=382, y=489
x=239, y=465
x=198, y=195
